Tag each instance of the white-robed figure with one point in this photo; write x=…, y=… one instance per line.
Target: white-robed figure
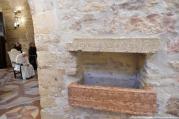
x=27, y=68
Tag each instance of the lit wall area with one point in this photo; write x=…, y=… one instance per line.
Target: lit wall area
x=17, y=12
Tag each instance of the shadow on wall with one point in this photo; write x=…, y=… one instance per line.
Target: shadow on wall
x=110, y=69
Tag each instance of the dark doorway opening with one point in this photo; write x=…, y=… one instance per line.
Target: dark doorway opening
x=2, y=43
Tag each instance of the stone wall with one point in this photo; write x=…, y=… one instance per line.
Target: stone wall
x=58, y=22
x=25, y=33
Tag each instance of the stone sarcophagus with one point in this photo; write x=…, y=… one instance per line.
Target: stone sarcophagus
x=131, y=101
x=111, y=75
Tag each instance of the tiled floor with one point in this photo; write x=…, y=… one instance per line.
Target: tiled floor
x=19, y=99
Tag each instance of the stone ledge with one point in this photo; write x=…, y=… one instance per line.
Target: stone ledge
x=115, y=44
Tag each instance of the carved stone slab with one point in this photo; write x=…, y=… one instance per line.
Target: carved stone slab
x=115, y=44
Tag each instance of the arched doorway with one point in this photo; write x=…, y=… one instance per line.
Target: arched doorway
x=17, y=12
x=21, y=96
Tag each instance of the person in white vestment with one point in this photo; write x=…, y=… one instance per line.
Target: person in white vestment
x=27, y=68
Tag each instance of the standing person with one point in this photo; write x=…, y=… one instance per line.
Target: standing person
x=18, y=46
x=33, y=55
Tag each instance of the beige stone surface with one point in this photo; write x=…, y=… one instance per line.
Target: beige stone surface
x=175, y=65
x=173, y=106
x=50, y=77
x=114, y=44
x=47, y=101
x=47, y=59
x=45, y=22
x=68, y=19
x=48, y=88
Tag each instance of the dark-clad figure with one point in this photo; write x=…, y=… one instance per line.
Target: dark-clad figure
x=18, y=46
x=33, y=55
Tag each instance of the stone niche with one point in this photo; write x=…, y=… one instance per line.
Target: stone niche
x=110, y=73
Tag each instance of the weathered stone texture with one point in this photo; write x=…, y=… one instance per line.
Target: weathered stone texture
x=112, y=44
x=173, y=46
x=45, y=22
x=140, y=102
x=66, y=20
x=173, y=106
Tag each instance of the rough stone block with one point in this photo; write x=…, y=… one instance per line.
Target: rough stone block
x=47, y=59
x=173, y=106
x=51, y=83
x=115, y=44
x=175, y=65
x=50, y=77
x=46, y=102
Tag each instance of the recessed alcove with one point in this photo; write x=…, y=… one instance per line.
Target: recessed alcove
x=110, y=69
x=110, y=73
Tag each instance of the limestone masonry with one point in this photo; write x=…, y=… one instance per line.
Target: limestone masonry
x=58, y=23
